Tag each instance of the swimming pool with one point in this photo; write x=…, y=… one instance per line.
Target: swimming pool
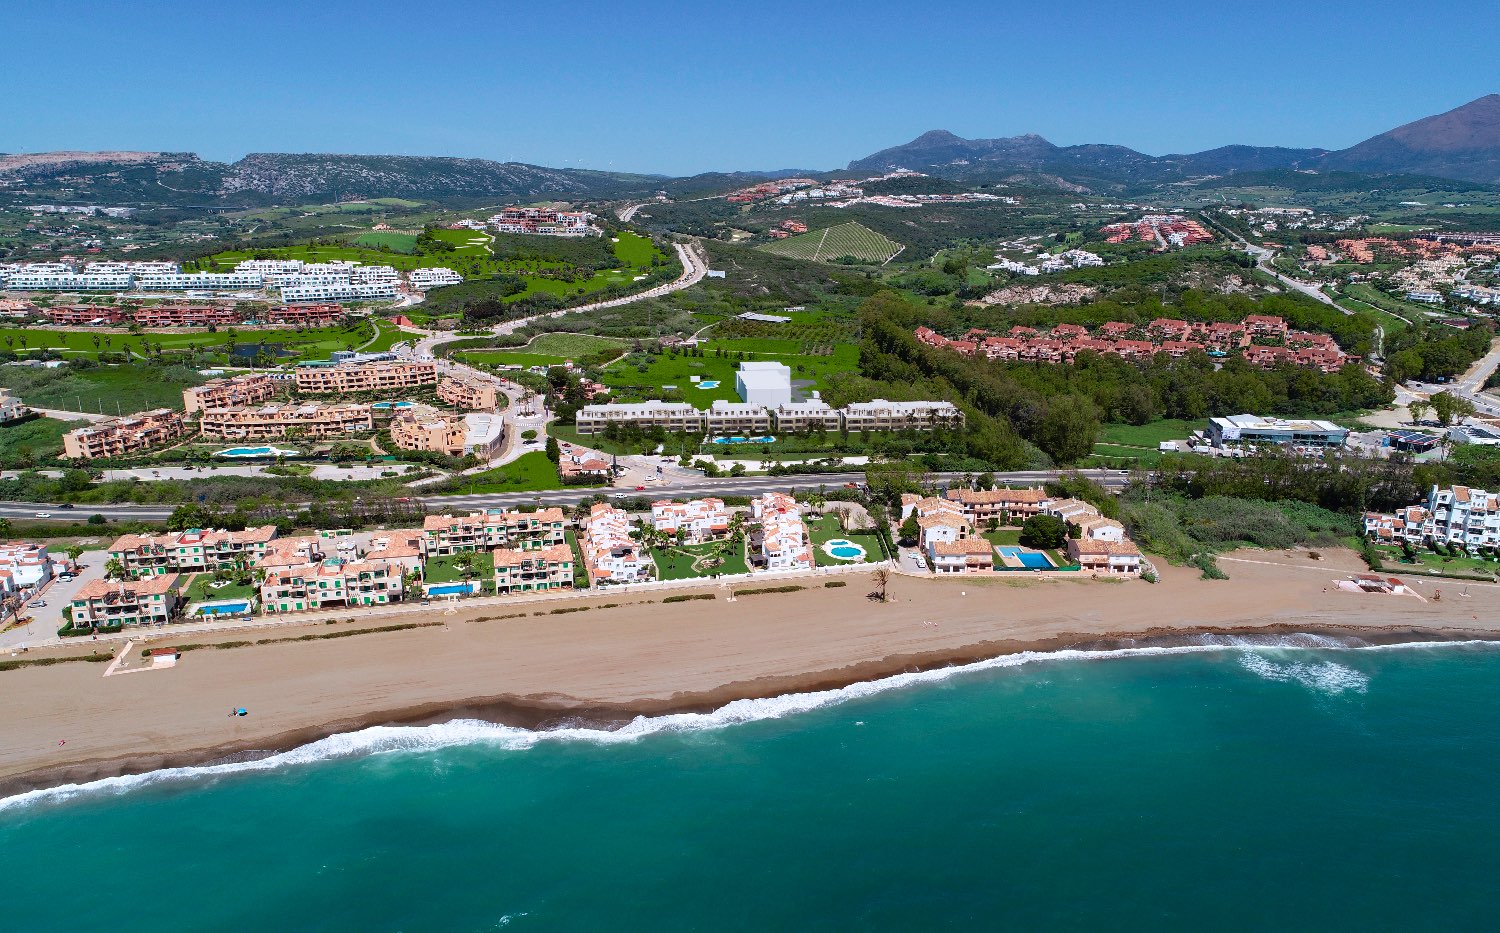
x=709, y=384
x=384, y=405
x=237, y=607
x=255, y=452
x=843, y=549
x=1031, y=560
x=743, y=440
x=453, y=589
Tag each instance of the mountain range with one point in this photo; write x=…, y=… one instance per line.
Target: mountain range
x=1462, y=144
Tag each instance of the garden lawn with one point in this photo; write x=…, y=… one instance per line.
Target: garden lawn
x=675, y=562
x=827, y=529
x=199, y=590
x=1430, y=560
x=665, y=370
x=400, y=242
x=446, y=569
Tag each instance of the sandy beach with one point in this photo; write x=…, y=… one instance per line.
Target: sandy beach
x=68, y=723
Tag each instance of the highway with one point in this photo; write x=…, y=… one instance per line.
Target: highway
x=1113, y=480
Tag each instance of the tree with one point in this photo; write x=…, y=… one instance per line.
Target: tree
x=1450, y=408
x=1067, y=429
x=1044, y=532
x=113, y=569
x=190, y=515
x=882, y=579
x=910, y=531
x=554, y=450
x=1419, y=410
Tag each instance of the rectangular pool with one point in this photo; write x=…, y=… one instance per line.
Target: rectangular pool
x=1031, y=560
x=453, y=589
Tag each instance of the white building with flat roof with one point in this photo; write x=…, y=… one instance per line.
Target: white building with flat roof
x=764, y=383
x=432, y=277
x=291, y=293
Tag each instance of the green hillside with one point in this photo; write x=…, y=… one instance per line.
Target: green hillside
x=836, y=242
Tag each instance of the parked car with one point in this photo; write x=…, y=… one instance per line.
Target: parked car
x=39, y=604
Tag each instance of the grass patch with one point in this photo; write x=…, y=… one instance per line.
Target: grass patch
x=532, y=471
x=450, y=568
x=687, y=597
x=756, y=591
x=827, y=528
x=836, y=242
x=545, y=350
x=675, y=562
x=400, y=242
x=199, y=590
x=107, y=389
x=25, y=442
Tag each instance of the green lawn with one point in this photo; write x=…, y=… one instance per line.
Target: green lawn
x=668, y=370
x=1148, y=435
x=634, y=249
x=676, y=562
x=199, y=589
x=1369, y=294
x=26, y=442
x=1442, y=563
x=447, y=569
x=827, y=528
x=390, y=335
x=400, y=242
x=528, y=472
x=1003, y=536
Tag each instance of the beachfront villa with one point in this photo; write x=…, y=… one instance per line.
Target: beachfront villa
x=784, y=541
x=609, y=552
x=550, y=568
x=196, y=549
x=330, y=583
x=1459, y=515
x=961, y=555
x=1005, y=506
x=697, y=520
x=1100, y=555
x=490, y=529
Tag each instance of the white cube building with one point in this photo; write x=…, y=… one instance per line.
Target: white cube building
x=768, y=384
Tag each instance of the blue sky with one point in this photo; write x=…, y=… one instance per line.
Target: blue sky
x=682, y=88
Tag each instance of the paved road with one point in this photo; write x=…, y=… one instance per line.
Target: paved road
x=725, y=486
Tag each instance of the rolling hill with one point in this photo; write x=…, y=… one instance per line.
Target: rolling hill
x=833, y=243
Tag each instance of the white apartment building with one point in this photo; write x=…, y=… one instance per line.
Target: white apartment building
x=432, y=277
x=69, y=281
x=881, y=415
x=784, y=541
x=609, y=553
x=374, y=275
x=798, y=417
x=697, y=520
x=737, y=418
x=131, y=268
x=198, y=281
x=671, y=416
x=291, y=293
x=1458, y=515
x=23, y=564
x=269, y=266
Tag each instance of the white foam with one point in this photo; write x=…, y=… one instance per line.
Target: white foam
x=1321, y=675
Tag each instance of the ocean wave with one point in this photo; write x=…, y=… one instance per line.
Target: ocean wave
x=1322, y=675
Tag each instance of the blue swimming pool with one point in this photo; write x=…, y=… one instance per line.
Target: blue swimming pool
x=239, y=608
x=255, y=452
x=453, y=589
x=767, y=439
x=709, y=384
x=843, y=549
x=384, y=405
x=1032, y=560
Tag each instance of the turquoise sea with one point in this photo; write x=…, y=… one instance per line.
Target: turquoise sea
x=1227, y=788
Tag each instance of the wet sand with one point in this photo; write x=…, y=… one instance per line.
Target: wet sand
x=67, y=723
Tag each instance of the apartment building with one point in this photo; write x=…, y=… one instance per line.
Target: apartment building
x=176, y=315
x=83, y=315
x=269, y=422
x=338, y=292
x=330, y=584
x=11, y=408
x=1457, y=515
x=68, y=281
x=119, y=437
x=194, y=550
x=803, y=417
x=696, y=520
x=199, y=281
x=881, y=415
x=1005, y=506
x=1099, y=555
x=375, y=376
x=469, y=392
x=737, y=418
x=784, y=543
x=963, y=555
x=427, y=429
x=151, y=601
x=609, y=553
x=313, y=315
x=246, y=389
x=670, y=416
x=490, y=529
x=550, y=568
x=432, y=277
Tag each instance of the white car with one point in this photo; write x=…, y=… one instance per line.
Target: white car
x=44, y=515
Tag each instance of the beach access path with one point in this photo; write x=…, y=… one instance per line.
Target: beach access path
x=533, y=665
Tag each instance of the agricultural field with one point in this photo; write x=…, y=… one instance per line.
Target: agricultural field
x=834, y=243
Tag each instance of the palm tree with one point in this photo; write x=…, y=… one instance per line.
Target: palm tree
x=114, y=569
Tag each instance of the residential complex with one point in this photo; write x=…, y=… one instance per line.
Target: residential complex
x=744, y=417
x=364, y=376
x=1063, y=342
x=119, y=437
x=1165, y=230
x=549, y=568
x=783, y=541
x=23, y=564
x=544, y=222
x=432, y=277
x=694, y=521
x=1002, y=505
x=174, y=315
x=106, y=604
x=330, y=583
x=1459, y=515
x=268, y=422
x=192, y=550
x=490, y=529
x=245, y=389
x=474, y=393
x=609, y=552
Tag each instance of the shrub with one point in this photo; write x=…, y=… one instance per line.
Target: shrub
x=1205, y=562
x=685, y=597
x=833, y=584
x=770, y=589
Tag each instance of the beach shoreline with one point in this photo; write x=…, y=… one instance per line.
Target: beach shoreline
x=636, y=657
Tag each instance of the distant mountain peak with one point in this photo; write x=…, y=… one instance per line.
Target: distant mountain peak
x=1462, y=143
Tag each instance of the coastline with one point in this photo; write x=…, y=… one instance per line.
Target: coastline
x=607, y=666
